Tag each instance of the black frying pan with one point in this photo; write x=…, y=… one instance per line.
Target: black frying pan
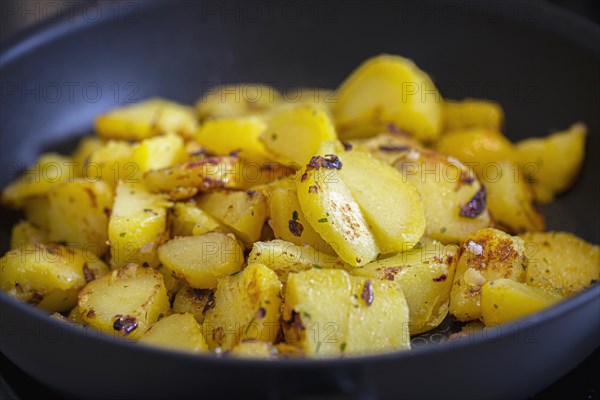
x=541, y=64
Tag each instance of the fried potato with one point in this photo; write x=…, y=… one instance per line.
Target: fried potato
x=176, y=332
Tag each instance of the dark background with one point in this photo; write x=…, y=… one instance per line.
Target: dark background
x=581, y=383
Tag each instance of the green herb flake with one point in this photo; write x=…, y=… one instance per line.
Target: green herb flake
x=443, y=229
x=122, y=234
x=322, y=220
x=295, y=215
x=273, y=136
x=343, y=347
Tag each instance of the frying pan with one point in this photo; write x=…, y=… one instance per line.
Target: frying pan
x=540, y=63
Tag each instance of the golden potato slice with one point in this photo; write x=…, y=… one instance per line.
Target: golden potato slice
x=391, y=205
x=113, y=163
x=424, y=274
x=285, y=257
x=386, y=90
x=552, y=163
x=200, y=260
x=454, y=201
x=125, y=302
x=294, y=133
x=47, y=276
x=50, y=170
x=561, y=262
x=332, y=211
x=25, y=233
x=188, y=219
x=504, y=300
x=486, y=255
x=78, y=213
x=158, y=152
x=288, y=222
x=478, y=149
x=239, y=135
x=510, y=200
x=247, y=306
x=472, y=113
x=176, y=332
x=137, y=226
x=182, y=181
x=237, y=100
x=387, y=147
x=146, y=119
x=243, y=212
x=194, y=301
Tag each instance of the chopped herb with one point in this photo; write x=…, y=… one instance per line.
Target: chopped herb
x=317, y=266
x=147, y=210
x=322, y=220
x=343, y=346
x=440, y=278
x=443, y=229
x=318, y=347
x=295, y=215
x=122, y=234
x=273, y=136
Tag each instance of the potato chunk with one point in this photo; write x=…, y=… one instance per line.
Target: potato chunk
x=294, y=134
x=561, y=262
x=424, y=274
x=246, y=307
x=386, y=90
x=49, y=170
x=137, y=226
x=288, y=222
x=332, y=211
x=328, y=312
x=125, y=302
x=146, y=119
x=511, y=200
x=237, y=100
x=188, y=219
x=194, y=301
x=240, y=135
x=243, y=212
x=552, y=163
x=86, y=206
x=200, y=260
x=48, y=276
x=472, y=113
x=285, y=257
x=454, y=201
x=504, y=300
x=182, y=181
x=478, y=149
x=158, y=152
x=113, y=163
x=387, y=147
x=25, y=233
x=176, y=332
x=486, y=255
x=391, y=205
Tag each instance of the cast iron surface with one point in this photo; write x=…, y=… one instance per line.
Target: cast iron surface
x=540, y=64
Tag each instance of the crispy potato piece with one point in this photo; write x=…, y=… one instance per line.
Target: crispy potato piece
x=194, y=301
x=391, y=205
x=386, y=90
x=47, y=276
x=247, y=306
x=137, y=226
x=185, y=180
x=158, y=152
x=176, y=332
x=237, y=100
x=510, y=200
x=146, y=119
x=243, y=212
x=453, y=199
x=25, y=233
x=388, y=146
x=552, y=163
x=486, y=255
x=172, y=284
x=561, y=262
x=113, y=163
x=361, y=315
x=295, y=133
x=285, y=257
x=125, y=302
x=254, y=349
x=332, y=211
x=288, y=222
x=504, y=300
x=86, y=207
x=50, y=170
x=472, y=113
x=478, y=149
x=188, y=219
x=200, y=260
x=424, y=274
x=239, y=135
